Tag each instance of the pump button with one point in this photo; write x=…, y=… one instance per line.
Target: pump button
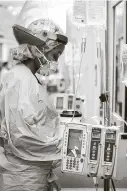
x=81, y=160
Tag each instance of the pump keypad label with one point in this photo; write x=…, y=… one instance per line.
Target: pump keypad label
x=95, y=141
x=110, y=140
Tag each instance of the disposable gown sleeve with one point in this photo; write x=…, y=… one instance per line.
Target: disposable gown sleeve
x=39, y=114
x=34, y=123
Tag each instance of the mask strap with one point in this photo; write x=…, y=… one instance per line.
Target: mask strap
x=40, y=62
x=42, y=56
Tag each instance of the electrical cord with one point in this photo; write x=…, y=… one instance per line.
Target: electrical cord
x=113, y=185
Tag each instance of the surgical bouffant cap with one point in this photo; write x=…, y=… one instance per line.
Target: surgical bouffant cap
x=34, y=10
x=36, y=26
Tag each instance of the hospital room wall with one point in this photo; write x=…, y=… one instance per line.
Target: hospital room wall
x=5, y=46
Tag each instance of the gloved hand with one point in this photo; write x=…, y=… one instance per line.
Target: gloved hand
x=59, y=146
x=56, y=163
x=53, y=186
x=2, y=154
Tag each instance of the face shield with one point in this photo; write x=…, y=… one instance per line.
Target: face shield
x=36, y=27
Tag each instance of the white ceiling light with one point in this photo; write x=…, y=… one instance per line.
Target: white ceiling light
x=10, y=8
x=14, y=10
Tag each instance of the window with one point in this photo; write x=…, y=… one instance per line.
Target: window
x=0, y=52
x=118, y=42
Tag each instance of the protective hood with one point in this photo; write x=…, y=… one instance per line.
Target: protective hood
x=36, y=25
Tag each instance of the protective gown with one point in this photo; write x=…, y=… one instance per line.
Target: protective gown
x=30, y=129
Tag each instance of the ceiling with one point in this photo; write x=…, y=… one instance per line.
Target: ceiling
x=8, y=13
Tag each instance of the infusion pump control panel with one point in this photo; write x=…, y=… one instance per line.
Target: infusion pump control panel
x=94, y=150
x=96, y=137
x=109, y=153
x=74, y=147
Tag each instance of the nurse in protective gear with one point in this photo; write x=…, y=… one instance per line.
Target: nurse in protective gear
x=30, y=141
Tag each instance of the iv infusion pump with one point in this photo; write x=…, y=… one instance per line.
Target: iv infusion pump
x=74, y=147
x=109, y=151
x=96, y=137
x=82, y=156
x=82, y=148
x=120, y=167
x=64, y=102
x=94, y=150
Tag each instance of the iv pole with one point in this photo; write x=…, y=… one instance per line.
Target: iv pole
x=105, y=104
x=106, y=122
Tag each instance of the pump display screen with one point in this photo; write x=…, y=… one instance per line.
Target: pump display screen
x=110, y=136
x=59, y=103
x=74, y=143
x=110, y=140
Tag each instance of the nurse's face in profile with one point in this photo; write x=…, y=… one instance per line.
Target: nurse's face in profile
x=53, y=57
x=55, y=53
